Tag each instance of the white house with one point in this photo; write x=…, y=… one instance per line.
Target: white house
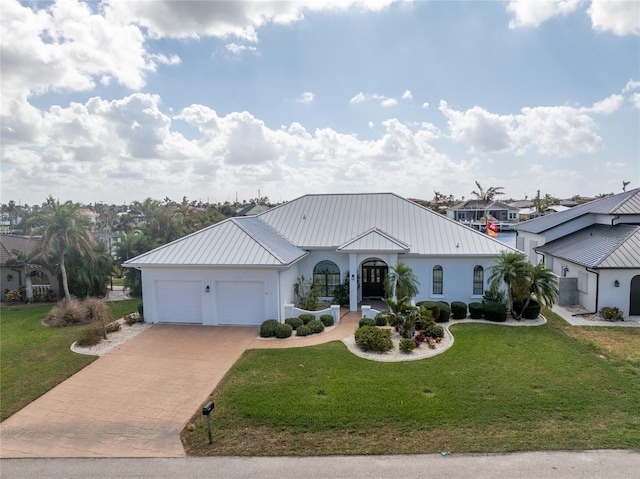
x=594, y=248
x=242, y=270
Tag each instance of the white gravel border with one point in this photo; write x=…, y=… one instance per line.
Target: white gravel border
x=113, y=340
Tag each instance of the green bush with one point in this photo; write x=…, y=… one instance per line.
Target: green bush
x=493, y=296
x=432, y=306
x=306, y=317
x=459, y=310
x=611, y=313
x=425, y=319
x=366, y=322
x=268, y=328
x=294, y=322
x=370, y=338
x=283, y=331
x=381, y=319
x=407, y=345
x=327, y=320
x=316, y=326
x=434, y=330
x=303, y=330
x=445, y=313
x=496, y=312
x=476, y=310
x=530, y=312
x=90, y=336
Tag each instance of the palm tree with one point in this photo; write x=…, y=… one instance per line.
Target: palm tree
x=64, y=228
x=543, y=284
x=487, y=196
x=400, y=282
x=510, y=269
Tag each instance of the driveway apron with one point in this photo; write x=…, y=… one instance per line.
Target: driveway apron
x=131, y=402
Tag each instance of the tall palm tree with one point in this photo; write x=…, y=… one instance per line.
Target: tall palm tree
x=543, y=284
x=487, y=196
x=401, y=282
x=64, y=228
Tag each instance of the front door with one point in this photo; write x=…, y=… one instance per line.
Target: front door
x=634, y=297
x=373, y=274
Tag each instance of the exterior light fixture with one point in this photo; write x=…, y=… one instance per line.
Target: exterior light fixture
x=207, y=289
x=616, y=283
x=9, y=277
x=353, y=276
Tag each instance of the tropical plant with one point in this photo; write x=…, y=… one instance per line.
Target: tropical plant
x=64, y=229
x=306, y=293
x=401, y=282
x=487, y=196
x=402, y=315
x=523, y=281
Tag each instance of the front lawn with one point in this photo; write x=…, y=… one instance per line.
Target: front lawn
x=497, y=389
x=35, y=358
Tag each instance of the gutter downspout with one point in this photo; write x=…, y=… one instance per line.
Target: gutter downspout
x=597, y=293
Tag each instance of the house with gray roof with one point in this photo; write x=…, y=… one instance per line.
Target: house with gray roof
x=243, y=269
x=473, y=211
x=594, y=248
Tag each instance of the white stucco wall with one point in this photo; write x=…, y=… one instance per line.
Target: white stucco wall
x=620, y=296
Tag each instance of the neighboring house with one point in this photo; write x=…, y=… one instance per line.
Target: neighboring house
x=243, y=269
x=251, y=210
x=555, y=209
x=473, y=210
x=526, y=214
x=13, y=276
x=594, y=248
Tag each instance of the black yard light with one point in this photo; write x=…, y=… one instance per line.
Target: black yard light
x=206, y=411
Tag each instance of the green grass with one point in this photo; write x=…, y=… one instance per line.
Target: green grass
x=35, y=358
x=497, y=389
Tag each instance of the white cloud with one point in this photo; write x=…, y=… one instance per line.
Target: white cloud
x=606, y=106
x=389, y=102
x=306, y=97
x=384, y=100
x=371, y=124
x=425, y=105
x=619, y=17
x=635, y=100
x=529, y=13
x=359, y=98
x=630, y=86
x=407, y=95
x=238, y=49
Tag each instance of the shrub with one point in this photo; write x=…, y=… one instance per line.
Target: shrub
x=381, y=319
x=370, y=338
x=90, y=336
x=476, y=310
x=432, y=306
x=425, y=319
x=611, y=313
x=434, y=330
x=366, y=322
x=306, y=292
x=459, y=310
x=327, y=320
x=66, y=313
x=445, y=313
x=316, y=326
x=493, y=295
x=268, y=328
x=303, y=330
x=530, y=312
x=306, y=317
x=294, y=322
x=341, y=292
x=407, y=345
x=283, y=331
x=13, y=296
x=133, y=318
x=496, y=312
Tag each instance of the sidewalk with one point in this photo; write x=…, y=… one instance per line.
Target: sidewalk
x=568, y=316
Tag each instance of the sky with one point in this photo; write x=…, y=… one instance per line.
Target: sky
x=117, y=101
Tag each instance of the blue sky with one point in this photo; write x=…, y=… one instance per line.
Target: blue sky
x=118, y=101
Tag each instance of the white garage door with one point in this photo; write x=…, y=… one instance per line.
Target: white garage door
x=240, y=302
x=179, y=302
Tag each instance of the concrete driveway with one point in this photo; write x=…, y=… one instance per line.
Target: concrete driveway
x=131, y=402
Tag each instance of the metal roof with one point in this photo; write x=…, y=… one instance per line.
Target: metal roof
x=599, y=246
x=331, y=221
x=627, y=203
x=381, y=222
x=477, y=205
x=244, y=241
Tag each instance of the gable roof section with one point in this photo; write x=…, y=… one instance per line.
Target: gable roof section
x=477, y=205
x=374, y=240
x=8, y=243
x=627, y=203
x=244, y=241
x=599, y=246
x=332, y=221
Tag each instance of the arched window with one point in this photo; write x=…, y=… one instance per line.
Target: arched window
x=478, y=280
x=437, y=279
x=327, y=274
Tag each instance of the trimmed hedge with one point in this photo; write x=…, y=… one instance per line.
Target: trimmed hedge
x=496, y=312
x=459, y=310
x=445, y=312
x=306, y=317
x=303, y=330
x=476, y=310
x=434, y=331
x=407, y=345
x=432, y=306
x=283, y=331
x=371, y=338
x=366, y=322
x=530, y=312
x=294, y=322
x=268, y=328
x=381, y=319
x=316, y=326
x=327, y=320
